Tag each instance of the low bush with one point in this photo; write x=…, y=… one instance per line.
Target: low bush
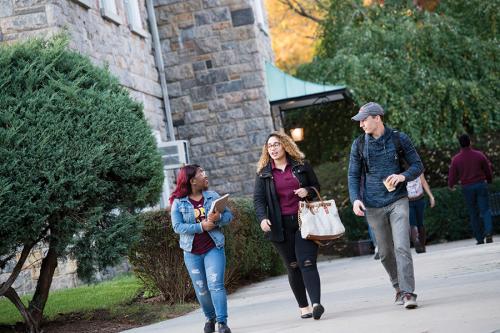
x=447, y=221
x=158, y=260
x=250, y=257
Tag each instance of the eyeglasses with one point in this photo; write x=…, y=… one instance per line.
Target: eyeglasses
x=273, y=145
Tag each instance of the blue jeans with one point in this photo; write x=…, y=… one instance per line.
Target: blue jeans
x=476, y=198
x=207, y=274
x=417, y=208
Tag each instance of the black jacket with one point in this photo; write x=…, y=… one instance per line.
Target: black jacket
x=266, y=200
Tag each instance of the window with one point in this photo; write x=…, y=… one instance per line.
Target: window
x=134, y=17
x=260, y=15
x=110, y=11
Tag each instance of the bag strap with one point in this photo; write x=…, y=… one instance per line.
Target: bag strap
x=317, y=193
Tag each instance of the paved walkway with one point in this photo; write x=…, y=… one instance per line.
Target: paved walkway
x=458, y=286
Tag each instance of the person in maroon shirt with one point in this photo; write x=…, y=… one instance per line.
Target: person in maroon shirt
x=473, y=170
x=283, y=179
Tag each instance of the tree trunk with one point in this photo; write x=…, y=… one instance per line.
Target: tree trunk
x=17, y=269
x=37, y=304
x=31, y=326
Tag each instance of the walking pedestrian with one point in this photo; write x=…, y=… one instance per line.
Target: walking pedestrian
x=283, y=179
x=375, y=170
x=202, y=240
x=473, y=169
x=417, y=204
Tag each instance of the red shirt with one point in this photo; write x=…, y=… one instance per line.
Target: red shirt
x=285, y=183
x=202, y=243
x=470, y=166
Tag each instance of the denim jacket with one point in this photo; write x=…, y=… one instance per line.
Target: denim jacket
x=184, y=222
x=382, y=160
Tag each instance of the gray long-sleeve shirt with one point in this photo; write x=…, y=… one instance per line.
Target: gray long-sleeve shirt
x=382, y=161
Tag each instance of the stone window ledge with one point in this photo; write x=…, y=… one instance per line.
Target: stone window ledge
x=110, y=16
x=139, y=31
x=84, y=3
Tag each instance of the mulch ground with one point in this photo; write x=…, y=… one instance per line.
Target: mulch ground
x=76, y=323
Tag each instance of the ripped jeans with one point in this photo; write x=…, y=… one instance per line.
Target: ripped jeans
x=299, y=256
x=207, y=274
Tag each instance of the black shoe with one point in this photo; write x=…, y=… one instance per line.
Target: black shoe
x=479, y=242
x=223, y=328
x=209, y=326
x=306, y=315
x=489, y=239
x=318, y=311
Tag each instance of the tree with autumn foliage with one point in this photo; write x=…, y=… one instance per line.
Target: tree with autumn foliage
x=294, y=27
x=436, y=72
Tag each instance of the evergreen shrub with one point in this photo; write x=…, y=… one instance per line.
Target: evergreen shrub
x=158, y=260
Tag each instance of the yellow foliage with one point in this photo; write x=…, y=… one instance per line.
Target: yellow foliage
x=293, y=36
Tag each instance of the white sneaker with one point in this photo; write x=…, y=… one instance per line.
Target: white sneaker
x=398, y=300
x=376, y=256
x=410, y=301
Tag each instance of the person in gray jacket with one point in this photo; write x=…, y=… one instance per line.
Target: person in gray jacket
x=377, y=190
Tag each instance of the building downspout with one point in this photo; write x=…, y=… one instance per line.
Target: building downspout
x=167, y=113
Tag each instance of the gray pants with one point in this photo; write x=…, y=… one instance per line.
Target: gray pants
x=392, y=229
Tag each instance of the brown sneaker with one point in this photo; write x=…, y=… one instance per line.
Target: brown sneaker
x=410, y=301
x=489, y=239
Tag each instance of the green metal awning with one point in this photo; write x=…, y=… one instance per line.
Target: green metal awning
x=288, y=92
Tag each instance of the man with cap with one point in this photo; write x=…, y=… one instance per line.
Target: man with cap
x=377, y=190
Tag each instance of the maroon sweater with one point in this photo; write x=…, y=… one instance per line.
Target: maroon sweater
x=202, y=243
x=285, y=183
x=469, y=166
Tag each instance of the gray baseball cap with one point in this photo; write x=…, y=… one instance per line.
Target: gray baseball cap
x=369, y=109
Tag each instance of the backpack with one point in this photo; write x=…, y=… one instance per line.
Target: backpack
x=360, y=144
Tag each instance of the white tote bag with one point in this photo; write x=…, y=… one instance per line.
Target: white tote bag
x=320, y=220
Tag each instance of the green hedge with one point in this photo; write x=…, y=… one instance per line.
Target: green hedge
x=250, y=257
x=447, y=221
x=158, y=260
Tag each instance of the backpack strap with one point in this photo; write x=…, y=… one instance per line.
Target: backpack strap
x=396, y=139
x=360, y=146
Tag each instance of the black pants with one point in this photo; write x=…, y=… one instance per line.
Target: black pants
x=299, y=256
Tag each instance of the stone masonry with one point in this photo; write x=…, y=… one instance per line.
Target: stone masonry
x=214, y=53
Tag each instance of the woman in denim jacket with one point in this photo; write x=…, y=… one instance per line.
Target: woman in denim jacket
x=202, y=240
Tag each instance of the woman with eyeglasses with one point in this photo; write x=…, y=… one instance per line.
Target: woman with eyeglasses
x=283, y=179
x=202, y=240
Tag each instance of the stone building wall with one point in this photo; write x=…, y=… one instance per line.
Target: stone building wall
x=214, y=53
x=128, y=54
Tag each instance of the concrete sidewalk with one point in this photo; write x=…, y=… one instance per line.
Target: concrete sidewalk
x=458, y=287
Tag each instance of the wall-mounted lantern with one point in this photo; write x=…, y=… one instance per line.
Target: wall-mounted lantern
x=297, y=134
